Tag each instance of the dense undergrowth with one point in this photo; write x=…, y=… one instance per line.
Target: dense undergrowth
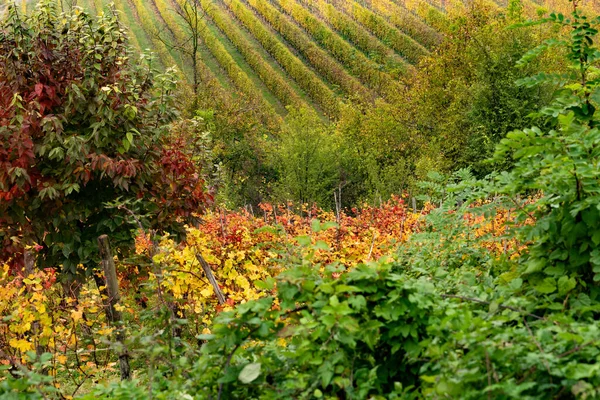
x=483, y=288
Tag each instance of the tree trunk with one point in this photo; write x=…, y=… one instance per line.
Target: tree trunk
x=112, y=289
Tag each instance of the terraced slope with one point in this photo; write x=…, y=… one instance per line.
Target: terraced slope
x=271, y=54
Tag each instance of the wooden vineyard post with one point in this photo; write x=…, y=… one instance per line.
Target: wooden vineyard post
x=29, y=261
x=112, y=288
x=211, y=278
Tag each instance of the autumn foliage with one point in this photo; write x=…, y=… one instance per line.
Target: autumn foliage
x=83, y=124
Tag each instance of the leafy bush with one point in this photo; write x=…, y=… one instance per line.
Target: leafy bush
x=82, y=125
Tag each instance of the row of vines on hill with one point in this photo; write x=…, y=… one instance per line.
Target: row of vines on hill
x=148, y=22
x=305, y=78
x=360, y=37
x=166, y=29
x=239, y=78
x=358, y=48
x=368, y=58
x=272, y=79
x=318, y=58
x=403, y=44
x=407, y=22
x=357, y=63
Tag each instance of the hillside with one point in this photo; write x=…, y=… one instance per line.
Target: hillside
x=278, y=53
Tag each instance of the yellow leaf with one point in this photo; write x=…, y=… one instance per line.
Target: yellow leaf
x=207, y=291
x=61, y=358
x=20, y=344
x=76, y=315
x=105, y=331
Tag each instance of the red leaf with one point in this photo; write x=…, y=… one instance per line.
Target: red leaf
x=39, y=89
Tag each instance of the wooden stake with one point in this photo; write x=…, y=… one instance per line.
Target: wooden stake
x=112, y=288
x=211, y=278
x=29, y=261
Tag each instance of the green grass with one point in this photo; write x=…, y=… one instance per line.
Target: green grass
x=206, y=58
x=244, y=66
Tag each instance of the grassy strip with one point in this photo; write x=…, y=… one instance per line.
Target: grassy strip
x=148, y=23
x=307, y=79
x=357, y=63
x=359, y=36
x=271, y=78
x=407, y=22
x=388, y=34
x=240, y=79
x=322, y=62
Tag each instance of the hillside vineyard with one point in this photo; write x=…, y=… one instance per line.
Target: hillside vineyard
x=279, y=53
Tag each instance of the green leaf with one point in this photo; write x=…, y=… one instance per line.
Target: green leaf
x=535, y=265
x=322, y=245
x=547, y=286
x=249, y=373
x=316, y=225
x=205, y=336
x=67, y=249
x=267, y=284
x=566, y=284
x=303, y=240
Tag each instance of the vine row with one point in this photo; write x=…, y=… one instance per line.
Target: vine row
x=320, y=60
x=357, y=63
x=407, y=22
x=305, y=78
x=377, y=25
x=359, y=36
x=271, y=78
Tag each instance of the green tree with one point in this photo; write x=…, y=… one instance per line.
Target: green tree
x=562, y=165
x=308, y=159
